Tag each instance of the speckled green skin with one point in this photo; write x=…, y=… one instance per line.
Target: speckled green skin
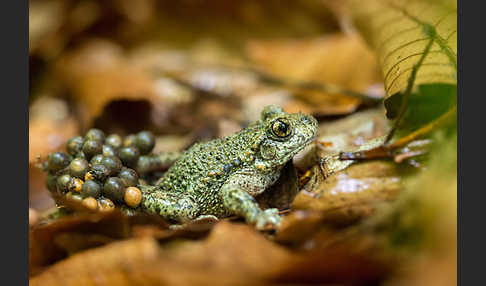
x=221, y=177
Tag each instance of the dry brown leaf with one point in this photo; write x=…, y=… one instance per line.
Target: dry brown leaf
x=50, y=126
x=236, y=254
x=342, y=60
x=33, y=217
x=113, y=264
x=298, y=226
x=360, y=131
x=44, y=37
x=345, y=262
x=44, y=250
x=233, y=250
x=438, y=269
x=47, y=135
x=98, y=74
x=39, y=196
x=95, y=91
x=347, y=195
x=353, y=193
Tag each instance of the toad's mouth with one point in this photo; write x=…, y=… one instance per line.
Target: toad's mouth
x=301, y=147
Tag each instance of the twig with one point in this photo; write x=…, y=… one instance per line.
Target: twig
x=386, y=151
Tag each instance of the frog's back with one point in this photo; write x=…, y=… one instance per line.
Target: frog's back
x=204, y=168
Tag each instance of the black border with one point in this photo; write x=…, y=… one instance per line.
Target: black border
x=14, y=28
x=471, y=170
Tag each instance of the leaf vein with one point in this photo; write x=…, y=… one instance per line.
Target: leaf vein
x=385, y=58
x=432, y=33
x=382, y=44
x=426, y=64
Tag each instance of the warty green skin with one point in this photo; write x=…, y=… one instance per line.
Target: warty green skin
x=221, y=177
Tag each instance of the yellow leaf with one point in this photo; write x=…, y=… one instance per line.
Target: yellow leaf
x=416, y=44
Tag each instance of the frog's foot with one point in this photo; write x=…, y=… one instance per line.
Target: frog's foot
x=268, y=219
x=170, y=206
x=204, y=218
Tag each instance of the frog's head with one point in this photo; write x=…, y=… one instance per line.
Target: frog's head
x=285, y=134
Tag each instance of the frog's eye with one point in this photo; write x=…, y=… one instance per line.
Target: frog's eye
x=281, y=127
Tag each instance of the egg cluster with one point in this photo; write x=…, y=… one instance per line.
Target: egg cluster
x=98, y=170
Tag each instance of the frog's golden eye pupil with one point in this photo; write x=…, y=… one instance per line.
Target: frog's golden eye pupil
x=281, y=128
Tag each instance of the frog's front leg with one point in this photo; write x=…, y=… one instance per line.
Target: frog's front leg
x=237, y=200
x=174, y=206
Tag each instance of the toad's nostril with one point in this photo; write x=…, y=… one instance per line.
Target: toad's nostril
x=306, y=119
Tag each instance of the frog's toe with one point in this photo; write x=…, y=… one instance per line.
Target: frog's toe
x=268, y=219
x=206, y=218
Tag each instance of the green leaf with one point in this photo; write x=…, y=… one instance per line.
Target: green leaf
x=416, y=43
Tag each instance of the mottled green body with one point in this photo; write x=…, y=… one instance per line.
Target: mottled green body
x=221, y=177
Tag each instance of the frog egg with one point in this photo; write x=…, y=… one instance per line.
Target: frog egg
x=92, y=147
x=114, y=188
x=96, y=159
x=133, y=197
x=90, y=203
x=95, y=134
x=57, y=161
x=91, y=189
x=145, y=142
x=63, y=182
x=128, y=155
x=113, y=164
x=75, y=185
x=129, y=177
x=105, y=205
x=78, y=167
x=74, y=145
x=107, y=150
x=100, y=172
x=114, y=141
